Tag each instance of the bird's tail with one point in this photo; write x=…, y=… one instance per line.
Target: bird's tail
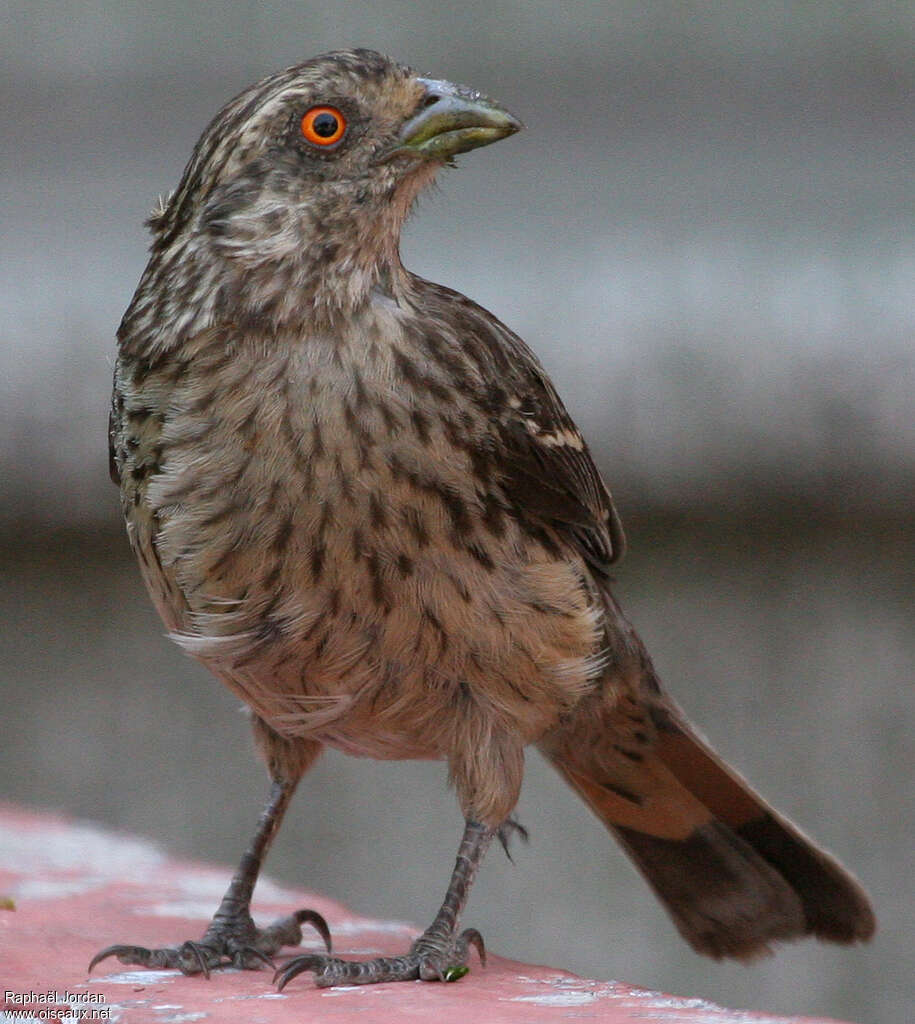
x=734, y=875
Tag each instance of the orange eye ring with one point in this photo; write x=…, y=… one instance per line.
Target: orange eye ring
x=323, y=126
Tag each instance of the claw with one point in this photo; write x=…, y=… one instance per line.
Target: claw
x=471, y=937
x=317, y=921
x=121, y=952
x=193, y=947
x=296, y=967
x=506, y=832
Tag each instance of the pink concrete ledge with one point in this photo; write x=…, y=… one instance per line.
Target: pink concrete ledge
x=68, y=888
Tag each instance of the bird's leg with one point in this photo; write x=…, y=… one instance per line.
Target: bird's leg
x=232, y=939
x=439, y=954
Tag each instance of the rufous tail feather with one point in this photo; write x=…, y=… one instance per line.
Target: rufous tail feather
x=734, y=875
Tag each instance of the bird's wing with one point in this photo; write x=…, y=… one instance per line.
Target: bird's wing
x=545, y=468
x=113, y=470
x=549, y=472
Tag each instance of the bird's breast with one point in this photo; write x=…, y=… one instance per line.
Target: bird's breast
x=340, y=561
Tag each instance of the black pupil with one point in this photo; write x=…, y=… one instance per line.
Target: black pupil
x=324, y=125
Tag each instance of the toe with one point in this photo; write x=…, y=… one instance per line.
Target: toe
x=288, y=931
x=138, y=955
x=250, y=958
x=428, y=960
x=126, y=954
x=299, y=965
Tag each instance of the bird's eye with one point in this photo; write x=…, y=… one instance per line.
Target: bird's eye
x=323, y=126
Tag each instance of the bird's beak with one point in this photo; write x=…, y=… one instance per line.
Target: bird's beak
x=453, y=119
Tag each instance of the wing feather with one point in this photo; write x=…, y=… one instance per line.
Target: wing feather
x=545, y=469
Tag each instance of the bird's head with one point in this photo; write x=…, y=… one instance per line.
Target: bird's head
x=302, y=182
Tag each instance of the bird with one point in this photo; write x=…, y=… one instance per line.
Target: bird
x=357, y=498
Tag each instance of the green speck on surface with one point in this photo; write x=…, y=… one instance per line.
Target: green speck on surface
x=7, y=903
x=456, y=973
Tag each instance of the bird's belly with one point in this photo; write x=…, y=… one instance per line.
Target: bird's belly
x=343, y=574
x=375, y=647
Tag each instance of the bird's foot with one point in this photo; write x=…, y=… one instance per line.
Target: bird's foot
x=228, y=942
x=431, y=958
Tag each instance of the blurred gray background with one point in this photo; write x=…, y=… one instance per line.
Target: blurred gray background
x=707, y=232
